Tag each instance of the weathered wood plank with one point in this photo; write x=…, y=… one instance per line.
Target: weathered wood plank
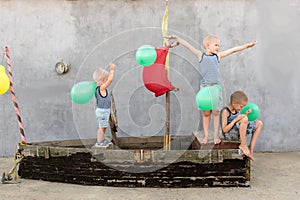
x=155, y=156
x=80, y=169
x=113, y=122
x=66, y=143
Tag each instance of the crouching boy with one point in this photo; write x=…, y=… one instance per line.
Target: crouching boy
x=235, y=126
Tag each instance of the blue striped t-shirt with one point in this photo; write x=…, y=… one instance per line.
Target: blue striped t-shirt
x=102, y=102
x=210, y=70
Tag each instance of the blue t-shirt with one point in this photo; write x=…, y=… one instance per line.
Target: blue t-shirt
x=210, y=70
x=102, y=102
x=231, y=116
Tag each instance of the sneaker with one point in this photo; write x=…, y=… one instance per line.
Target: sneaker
x=107, y=142
x=102, y=144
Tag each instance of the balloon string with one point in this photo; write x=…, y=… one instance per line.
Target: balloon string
x=13, y=95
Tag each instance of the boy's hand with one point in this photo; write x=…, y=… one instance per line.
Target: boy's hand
x=170, y=37
x=248, y=111
x=112, y=67
x=239, y=117
x=251, y=44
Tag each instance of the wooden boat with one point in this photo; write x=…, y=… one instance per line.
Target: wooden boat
x=137, y=162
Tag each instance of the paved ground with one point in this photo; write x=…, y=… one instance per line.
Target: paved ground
x=274, y=176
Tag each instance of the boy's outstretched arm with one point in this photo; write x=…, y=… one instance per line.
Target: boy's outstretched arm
x=236, y=49
x=187, y=45
x=110, y=77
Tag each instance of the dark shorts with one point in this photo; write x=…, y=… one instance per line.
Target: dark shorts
x=234, y=134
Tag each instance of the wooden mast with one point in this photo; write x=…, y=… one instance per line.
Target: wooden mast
x=167, y=138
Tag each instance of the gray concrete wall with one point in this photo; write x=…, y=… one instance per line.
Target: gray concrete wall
x=91, y=33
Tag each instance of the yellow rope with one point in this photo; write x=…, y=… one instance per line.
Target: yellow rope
x=18, y=156
x=165, y=33
x=165, y=23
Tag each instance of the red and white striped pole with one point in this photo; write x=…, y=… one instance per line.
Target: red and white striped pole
x=13, y=95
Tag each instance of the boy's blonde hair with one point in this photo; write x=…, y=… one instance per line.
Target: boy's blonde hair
x=209, y=39
x=238, y=97
x=99, y=73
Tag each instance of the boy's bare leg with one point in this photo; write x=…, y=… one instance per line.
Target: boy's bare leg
x=206, y=120
x=216, y=118
x=255, y=135
x=100, y=134
x=243, y=146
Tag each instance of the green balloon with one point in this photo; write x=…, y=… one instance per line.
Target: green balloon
x=254, y=113
x=208, y=97
x=83, y=92
x=146, y=55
